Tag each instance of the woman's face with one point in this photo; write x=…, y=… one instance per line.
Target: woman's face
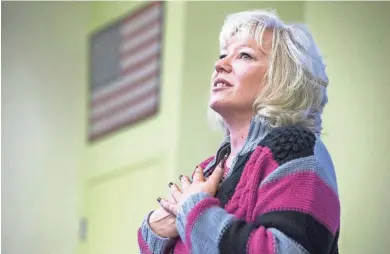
x=238, y=76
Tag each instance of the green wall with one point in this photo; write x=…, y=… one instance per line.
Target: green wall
x=150, y=147
x=355, y=39
x=51, y=177
x=137, y=143
x=43, y=66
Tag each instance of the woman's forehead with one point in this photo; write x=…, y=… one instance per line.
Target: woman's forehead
x=235, y=42
x=246, y=41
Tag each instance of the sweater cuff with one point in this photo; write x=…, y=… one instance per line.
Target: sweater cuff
x=187, y=206
x=150, y=242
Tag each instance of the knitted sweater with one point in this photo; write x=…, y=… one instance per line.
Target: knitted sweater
x=280, y=196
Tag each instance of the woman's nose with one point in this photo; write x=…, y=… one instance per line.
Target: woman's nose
x=223, y=65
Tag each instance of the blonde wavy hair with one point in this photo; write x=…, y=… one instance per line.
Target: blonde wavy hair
x=294, y=87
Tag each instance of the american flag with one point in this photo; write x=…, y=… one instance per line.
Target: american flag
x=125, y=71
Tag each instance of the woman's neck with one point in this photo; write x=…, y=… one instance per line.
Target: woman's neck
x=247, y=132
x=238, y=131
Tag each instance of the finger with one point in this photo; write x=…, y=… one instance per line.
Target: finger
x=187, y=179
x=171, y=198
x=198, y=175
x=216, y=176
x=185, y=182
x=169, y=206
x=175, y=191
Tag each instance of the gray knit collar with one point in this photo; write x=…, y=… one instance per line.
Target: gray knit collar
x=259, y=127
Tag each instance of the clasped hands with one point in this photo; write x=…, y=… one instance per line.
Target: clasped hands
x=199, y=184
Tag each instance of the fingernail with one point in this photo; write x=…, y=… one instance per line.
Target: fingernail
x=180, y=177
x=158, y=199
x=170, y=184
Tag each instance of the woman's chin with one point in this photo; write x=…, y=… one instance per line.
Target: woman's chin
x=218, y=105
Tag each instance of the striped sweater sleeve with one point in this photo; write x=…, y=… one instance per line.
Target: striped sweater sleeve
x=295, y=210
x=151, y=243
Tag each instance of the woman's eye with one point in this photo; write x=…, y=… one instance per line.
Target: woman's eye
x=222, y=56
x=245, y=56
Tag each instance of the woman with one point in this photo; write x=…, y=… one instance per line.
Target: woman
x=271, y=188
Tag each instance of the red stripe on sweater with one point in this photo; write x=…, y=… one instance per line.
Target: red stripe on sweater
x=180, y=248
x=258, y=167
x=304, y=192
x=142, y=244
x=261, y=241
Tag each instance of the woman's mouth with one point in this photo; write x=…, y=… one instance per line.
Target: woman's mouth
x=220, y=84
